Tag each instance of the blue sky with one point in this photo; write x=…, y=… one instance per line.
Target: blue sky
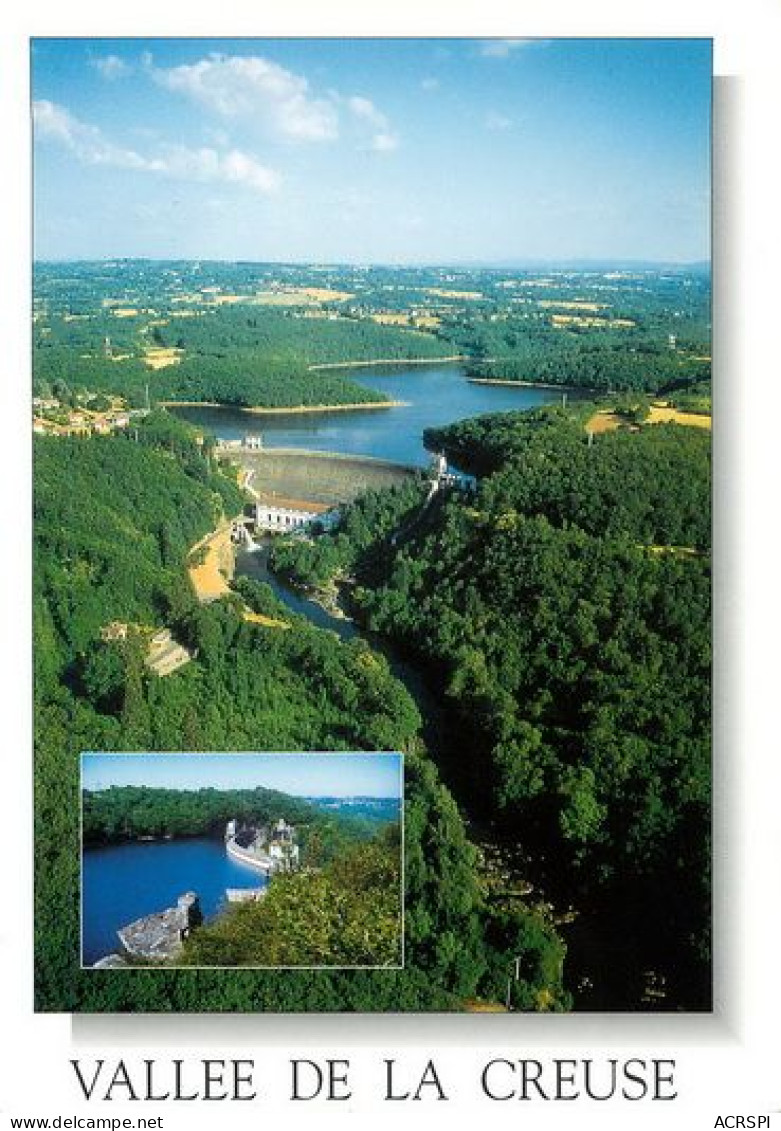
x=373, y=150
x=303, y=775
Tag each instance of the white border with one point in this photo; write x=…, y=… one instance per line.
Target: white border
x=728, y=1063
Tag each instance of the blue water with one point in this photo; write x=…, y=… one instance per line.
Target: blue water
x=123, y=882
x=433, y=395
x=254, y=564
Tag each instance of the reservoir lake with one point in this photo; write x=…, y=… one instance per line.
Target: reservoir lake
x=122, y=882
x=432, y=395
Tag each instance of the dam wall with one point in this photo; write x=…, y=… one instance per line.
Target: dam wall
x=263, y=863
x=319, y=477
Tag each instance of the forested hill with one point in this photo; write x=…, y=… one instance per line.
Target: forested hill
x=128, y=812
x=605, y=365
x=113, y=521
x=246, y=358
x=564, y=610
x=652, y=485
x=242, y=377
x=312, y=340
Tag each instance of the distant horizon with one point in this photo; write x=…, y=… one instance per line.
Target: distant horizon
x=260, y=785
x=340, y=774
x=480, y=265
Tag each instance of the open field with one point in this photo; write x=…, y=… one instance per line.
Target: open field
x=158, y=357
x=401, y=319
x=592, y=323
x=315, y=294
x=267, y=622
x=210, y=577
x=604, y=421
x=664, y=414
x=469, y=296
x=571, y=304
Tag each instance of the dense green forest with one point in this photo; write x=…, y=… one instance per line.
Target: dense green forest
x=641, y=331
x=364, y=526
x=612, y=368
x=247, y=379
x=652, y=486
x=348, y=913
x=277, y=336
x=564, y=611
x=129, y=812
x=114, y=520
x=241, y=377
x=246, y=357
x=107, y=544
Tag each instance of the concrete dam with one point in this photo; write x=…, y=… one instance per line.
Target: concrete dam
x=319, y=477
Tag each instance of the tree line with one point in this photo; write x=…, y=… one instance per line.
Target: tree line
x=122, y=813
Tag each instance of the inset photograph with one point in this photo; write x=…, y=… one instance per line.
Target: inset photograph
x=242, y=860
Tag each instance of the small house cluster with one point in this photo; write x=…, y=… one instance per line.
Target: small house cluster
x=51, y=417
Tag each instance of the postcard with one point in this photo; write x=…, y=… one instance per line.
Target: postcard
x=377, y=760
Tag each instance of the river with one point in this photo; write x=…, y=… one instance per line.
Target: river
x=432, y=396
x=122, y=882
x=254, y=564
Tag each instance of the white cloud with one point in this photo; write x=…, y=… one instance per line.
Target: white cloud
x=111, y=66
x=366, y=111
x=502, y=48
x=179, y=162
x=496, y=121
x=251, y=87
x=240, y=168
x=384, y=142
x=86, y=142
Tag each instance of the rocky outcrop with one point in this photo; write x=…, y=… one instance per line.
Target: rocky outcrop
x=158, y=937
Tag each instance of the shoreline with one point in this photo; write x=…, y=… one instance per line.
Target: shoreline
x=534, y=385
x=259, y=410
x=387, y=361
